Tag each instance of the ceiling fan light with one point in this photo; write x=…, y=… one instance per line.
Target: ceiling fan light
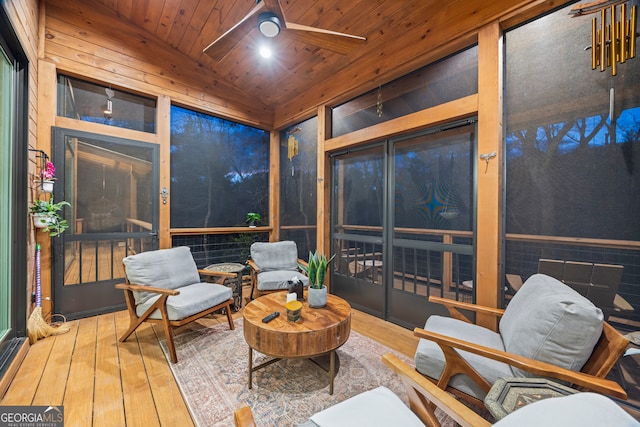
x=268, y=24
x=265, y=52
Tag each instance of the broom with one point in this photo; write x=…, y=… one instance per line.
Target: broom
x=37, y=327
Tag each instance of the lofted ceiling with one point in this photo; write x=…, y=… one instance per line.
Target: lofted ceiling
x=401, y=35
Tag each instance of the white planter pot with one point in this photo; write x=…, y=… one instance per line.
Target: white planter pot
x=41, y=220
x=46, y=186
x=317, y=297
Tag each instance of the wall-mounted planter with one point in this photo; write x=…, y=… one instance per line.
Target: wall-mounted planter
x=41, y=220
x=46, y=186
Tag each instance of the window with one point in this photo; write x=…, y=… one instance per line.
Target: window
x=219, y=171
x=91, y=102
x=451, y=78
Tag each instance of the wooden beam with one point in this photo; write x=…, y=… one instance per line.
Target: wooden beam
x=434, y=116
x=489, y=173
x=274, y=186
x=163, y=129
x=47, y=89
x=323, y=227
x=102, y=129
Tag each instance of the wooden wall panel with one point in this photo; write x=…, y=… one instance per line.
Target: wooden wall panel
x=84, y=41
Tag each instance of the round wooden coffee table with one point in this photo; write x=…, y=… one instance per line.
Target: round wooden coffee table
x=319, y=331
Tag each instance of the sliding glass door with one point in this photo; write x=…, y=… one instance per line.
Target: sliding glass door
x=432, y=238
x=358, y=217
x=6, y=149
x=14, y=140
x=403, y=223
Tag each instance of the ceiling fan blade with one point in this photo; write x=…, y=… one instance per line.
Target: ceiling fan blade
x=274, y=6
x=223, y=44
x=332, y=40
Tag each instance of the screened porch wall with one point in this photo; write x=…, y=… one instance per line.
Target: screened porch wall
x=298, y=185
x=522, y=259
x=571, y=148
x=210, y=249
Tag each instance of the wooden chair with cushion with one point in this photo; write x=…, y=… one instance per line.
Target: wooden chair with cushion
x=382, y=408
x=547, y=330
x=164, y=286
x=273, y=264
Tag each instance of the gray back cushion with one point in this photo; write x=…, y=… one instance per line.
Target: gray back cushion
x=548, y=321
x=275, y=256
x=164, y=268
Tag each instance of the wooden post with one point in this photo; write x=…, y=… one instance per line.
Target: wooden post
x=489, y=208
x=163, y=129
x=323, y=243
x=274, y=186
x=47, y=89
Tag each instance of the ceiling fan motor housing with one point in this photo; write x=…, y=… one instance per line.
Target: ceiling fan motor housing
x=269, y=24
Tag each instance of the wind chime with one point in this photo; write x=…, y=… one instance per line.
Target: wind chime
x=292, y=146
x=613, y=40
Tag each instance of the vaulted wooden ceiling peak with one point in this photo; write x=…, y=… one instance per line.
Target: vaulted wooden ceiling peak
x=401, y=35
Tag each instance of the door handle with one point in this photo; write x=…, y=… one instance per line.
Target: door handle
x=154, y=234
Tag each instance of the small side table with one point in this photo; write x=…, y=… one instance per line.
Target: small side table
x=235, y=283
x=509, y=394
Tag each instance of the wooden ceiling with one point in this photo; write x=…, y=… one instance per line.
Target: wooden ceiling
x=402, y=35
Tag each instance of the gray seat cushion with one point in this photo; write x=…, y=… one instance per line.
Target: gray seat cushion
x=273, y=280
x=191, y=300
x=576, y=410
x=164, y=268
x=429, y=358
x=548, y=321
x=377, y=407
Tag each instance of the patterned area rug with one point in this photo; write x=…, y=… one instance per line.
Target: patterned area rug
x=212, y=374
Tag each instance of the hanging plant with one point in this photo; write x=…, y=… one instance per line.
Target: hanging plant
x=46, y=215
x=47, y=176
x=49, y=171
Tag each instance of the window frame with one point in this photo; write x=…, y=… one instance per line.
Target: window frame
x=18, y=195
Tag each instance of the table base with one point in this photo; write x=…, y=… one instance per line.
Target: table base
x=330, y=366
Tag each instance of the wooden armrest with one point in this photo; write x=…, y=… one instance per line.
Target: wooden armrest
x=143, y=288
x=254, y=267
x=303, y=262
x=536, y=367
x=243, y=417
x=418, y=388
x=452, y=306
x=217, y=273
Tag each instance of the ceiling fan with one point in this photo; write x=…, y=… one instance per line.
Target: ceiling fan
x=269, y=18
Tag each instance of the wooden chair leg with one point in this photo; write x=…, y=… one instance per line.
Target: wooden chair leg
x=135, y=321
x=168, y=332
x=232, y=326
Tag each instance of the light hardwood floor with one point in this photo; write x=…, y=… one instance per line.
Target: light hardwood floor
x=103, y=382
